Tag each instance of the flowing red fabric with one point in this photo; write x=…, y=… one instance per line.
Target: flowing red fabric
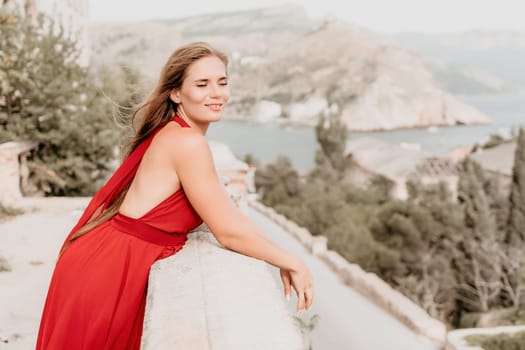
x=118, y=181
x=97, y=294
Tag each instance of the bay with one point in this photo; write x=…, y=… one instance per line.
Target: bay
x=267, y=141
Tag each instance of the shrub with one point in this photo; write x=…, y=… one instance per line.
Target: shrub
x=501, y=341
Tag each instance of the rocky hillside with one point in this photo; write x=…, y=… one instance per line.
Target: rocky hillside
x=288, y=68
x=473, y=62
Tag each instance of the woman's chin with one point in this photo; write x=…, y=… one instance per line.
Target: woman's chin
x=215, y=117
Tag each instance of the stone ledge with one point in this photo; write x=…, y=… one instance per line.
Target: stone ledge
x=11, y=171
x=368, y=284
x=208, y=297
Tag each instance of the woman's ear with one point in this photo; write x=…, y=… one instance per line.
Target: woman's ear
x=175, y=96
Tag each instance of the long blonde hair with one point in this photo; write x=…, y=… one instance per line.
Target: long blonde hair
x=154, y=112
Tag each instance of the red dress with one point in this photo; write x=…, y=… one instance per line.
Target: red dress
x=97, y=295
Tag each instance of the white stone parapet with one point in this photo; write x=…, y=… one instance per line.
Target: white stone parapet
x=11, y=153
x=209, y=297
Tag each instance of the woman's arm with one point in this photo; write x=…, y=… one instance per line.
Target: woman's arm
x=195, y=169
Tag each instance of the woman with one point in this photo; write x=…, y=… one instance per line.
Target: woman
x=166, y=186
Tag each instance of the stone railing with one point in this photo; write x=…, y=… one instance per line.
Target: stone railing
x=208, y=297
x=368, y=284
x=457, y=341
x=13, y=170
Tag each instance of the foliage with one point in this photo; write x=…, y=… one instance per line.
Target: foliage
x=419, y=235
x=306, y=326
x=494, y=140
x=478, y=255
x=45, y=95
x=321, y=202
x=515, y=341
x=331, y=134
x=514, y=235
x=354, y=241
x=4, y=265
x=516, y=218
x=451, y=254
x=503, y=317
x=278, y=183
x=6, y=211
x=250, y=159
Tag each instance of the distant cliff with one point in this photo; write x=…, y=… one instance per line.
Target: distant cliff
x=473, y=62
x=288, y=68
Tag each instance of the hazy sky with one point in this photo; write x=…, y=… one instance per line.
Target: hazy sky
x=379, y=15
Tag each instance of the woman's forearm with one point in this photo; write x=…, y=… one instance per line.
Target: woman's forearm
x=246, y=238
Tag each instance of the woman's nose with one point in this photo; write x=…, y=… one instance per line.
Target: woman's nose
x=218, y=90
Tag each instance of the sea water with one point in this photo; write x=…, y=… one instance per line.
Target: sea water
x=267, y=141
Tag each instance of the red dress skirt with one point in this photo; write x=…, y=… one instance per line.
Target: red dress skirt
x=97, y=295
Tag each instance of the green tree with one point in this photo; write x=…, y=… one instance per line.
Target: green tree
x=478, y=258
x=417, y=242
x=45, y=95
x=278, y=182
x=515, y=234
x=319, y=202
x=331, y=134
x=354, y=241
x=514, y=279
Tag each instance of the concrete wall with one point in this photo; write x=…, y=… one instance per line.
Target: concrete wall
x=11, y=154
x=208, y=297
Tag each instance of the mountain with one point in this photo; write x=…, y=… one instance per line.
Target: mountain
x=472, y=62
x=289, y=68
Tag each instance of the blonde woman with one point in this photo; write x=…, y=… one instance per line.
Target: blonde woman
x=166, y=186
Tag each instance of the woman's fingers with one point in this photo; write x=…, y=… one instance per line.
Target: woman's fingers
x=309, y=296
x=304, y=299
x=301, y=281
x=300, y=301
x=285, y=277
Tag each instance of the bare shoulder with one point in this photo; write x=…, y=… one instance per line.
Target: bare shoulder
x=175, y=137
x=183, y=143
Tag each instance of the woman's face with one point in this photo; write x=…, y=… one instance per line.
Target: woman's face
x=204, y=91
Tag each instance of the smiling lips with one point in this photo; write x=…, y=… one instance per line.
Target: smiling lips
x=216, y=107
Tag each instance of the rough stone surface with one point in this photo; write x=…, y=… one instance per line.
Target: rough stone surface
x=208, y=297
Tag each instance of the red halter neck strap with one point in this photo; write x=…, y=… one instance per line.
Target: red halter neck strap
x=117, y=182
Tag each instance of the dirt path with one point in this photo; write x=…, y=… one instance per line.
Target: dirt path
x=30, y=244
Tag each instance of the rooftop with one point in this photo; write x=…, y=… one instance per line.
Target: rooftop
x=499, y=159
x=396, y=161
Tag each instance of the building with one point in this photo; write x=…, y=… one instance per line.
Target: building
x=497, y=161
x=237, y=176
x=368, y=157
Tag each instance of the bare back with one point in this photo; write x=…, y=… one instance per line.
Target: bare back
x=156, y=178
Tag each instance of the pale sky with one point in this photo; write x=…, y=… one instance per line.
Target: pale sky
x=388, y=16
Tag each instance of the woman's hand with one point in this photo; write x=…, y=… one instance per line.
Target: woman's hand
x=301, y=280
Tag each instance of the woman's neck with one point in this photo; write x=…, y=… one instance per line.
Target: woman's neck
x=201, y=127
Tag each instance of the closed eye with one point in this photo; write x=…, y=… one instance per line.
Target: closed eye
x=204, y=82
